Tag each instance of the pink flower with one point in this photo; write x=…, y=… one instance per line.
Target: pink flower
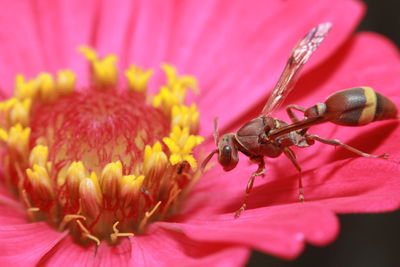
x=236, y=51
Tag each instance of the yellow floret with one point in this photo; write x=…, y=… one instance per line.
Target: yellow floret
x=25, y=89
x=90, y=195
x=130, y=186
x=181, y=145
x=19, y=113
x=46, y=87
x=66, y=80
x=41, y=183
x=104, y=70
x=39, y=156
x=174, y=92
x=110, y=178
x=3, y=135
x=138, y=78
x=15, y=111
x=154, y=161
x=76, y=172
x=173, y=80
x=185, y=116
x=18, y=139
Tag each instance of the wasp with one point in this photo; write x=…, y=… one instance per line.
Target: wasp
x=266, y=136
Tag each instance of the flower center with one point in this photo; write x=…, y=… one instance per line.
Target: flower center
x=97, y=128
x=101, y=162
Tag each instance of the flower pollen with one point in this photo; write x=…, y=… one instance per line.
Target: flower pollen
x=101, y=162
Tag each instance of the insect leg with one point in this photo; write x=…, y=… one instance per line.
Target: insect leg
x=291, y=114
x=259, y=172
x=335, y=142
x=290, y=154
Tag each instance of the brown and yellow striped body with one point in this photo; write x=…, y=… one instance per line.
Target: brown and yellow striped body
x=354, y=107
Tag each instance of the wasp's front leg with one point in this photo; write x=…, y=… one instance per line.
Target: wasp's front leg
x=290, y=154
x=259, y=172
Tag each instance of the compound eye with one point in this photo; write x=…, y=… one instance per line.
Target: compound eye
x=225, y=155
x=226, y=150
x=228, y=157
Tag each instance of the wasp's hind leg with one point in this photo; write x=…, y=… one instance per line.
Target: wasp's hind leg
x=292, y=116
x=290, y=154
x=259, y=172
x=335, y=142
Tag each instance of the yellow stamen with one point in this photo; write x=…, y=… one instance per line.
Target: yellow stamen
x=39, y=156
x=31, y=210
x=3, y=135
x=68, y=218
x=185, y=116
x=87, y=234
x=155, y=161
x=110, y=179
x=41, y=183
x=166, y=99
x=117, y=234
x=66, y=80
x=175, y=191
x=47, y=88
x=25, y=89
x=18, y=139
x=20, y=112
x=75, y=174
x=130, y=186
x=90, y=195
x=181, y=144
x=148, y=214
x=173, y=80
x=104, y=71
x=138, y=78
x=5, y=106
x=89, y=53
x=175, y=92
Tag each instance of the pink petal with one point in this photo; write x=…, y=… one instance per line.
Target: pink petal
x=20, y=47
x=349, y=187
x=11, y=210
x=161, y=247
x=62, y=26
x=9, y=215
x=25, y=245
x=358, y=185
x=114, y=255
x=145, y=250
x=150, y=35
x=217, y=190
x=43, y=36
x=279, y=230
x=68, y=253
x=112, y=28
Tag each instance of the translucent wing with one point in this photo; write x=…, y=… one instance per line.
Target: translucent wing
x=300, y=55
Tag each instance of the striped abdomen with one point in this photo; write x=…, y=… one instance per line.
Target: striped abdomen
x=358, y=106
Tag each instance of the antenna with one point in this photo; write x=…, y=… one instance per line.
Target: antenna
x=216, y=138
